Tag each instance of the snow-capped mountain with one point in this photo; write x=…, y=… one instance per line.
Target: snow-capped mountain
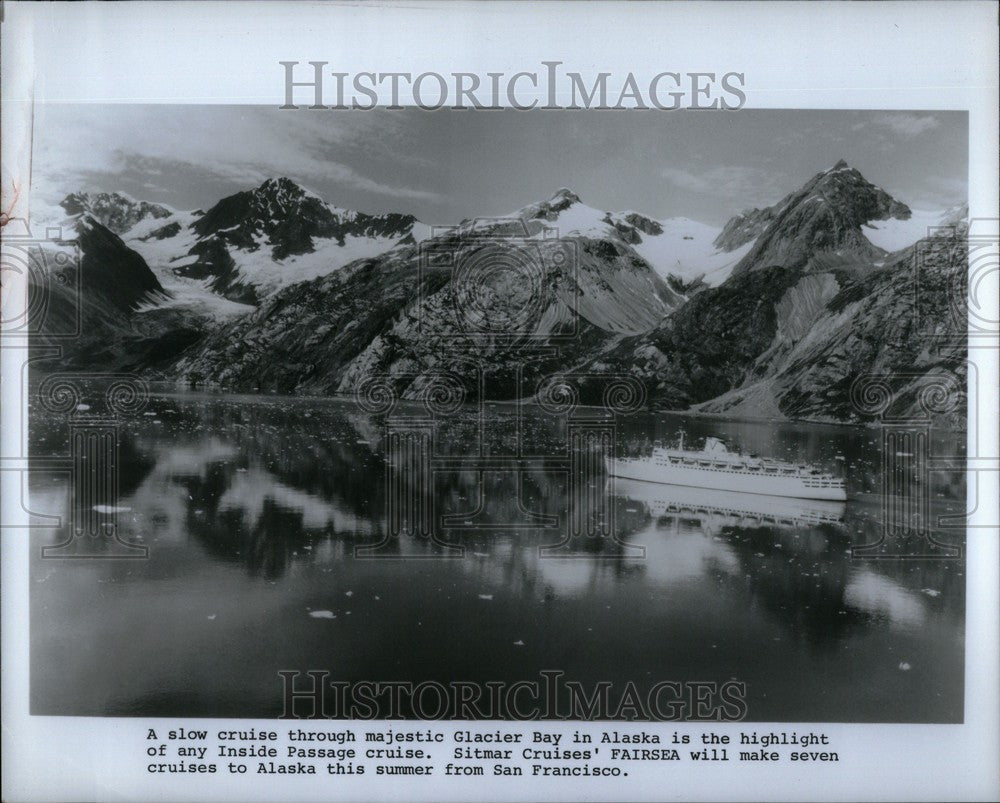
x=247, y=245
x=678, y=247
x=492, y=301
x=116, y=211
x=253, y=242
x=155, y=234
x=773, y=314
x=123, y=317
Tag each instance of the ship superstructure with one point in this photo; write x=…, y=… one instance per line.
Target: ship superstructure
x=715, y=466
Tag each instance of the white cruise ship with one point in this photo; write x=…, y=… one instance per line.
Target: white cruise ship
x=716, y=467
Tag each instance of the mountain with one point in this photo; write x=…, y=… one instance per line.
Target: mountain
x=247, y=245
x=489, y=296
x=813, y=307
x=822, y=219
x=113, y=271
x=256, y=241
x=776, y=314
x=116, y=211
x=745, y=228
x=902, y=323
x=121, y=314
x=681, y=250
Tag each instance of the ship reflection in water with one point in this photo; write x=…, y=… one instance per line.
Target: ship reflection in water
x=253, y=510
x=717, y=509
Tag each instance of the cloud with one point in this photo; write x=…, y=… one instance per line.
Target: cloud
x=935, y=192
x=743, y=185
x=907, y=124
x=241, y=145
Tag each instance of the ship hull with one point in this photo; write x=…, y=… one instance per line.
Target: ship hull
x=695, y=477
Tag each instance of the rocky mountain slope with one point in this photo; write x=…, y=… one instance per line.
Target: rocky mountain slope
x=466, y=303
x=823, y=218
x=113, y=271
x=119, y=314
x=812, y=313
x=851, y=348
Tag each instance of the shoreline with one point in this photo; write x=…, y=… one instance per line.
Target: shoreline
x=171, y=389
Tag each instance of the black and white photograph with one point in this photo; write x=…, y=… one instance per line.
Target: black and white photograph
x=671, y=441
x=538, y=426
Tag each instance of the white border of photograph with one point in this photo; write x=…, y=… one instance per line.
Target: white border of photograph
x=899, y=55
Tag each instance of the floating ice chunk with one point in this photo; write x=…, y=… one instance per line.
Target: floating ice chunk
x=211, y=616
x=930, y=592
x=83, y=407
x=904, y=666
x=348, y=593
x=322, y=614
x=485, y=596
x=519, y=643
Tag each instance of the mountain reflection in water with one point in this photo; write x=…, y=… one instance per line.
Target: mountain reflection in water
x=254, y=508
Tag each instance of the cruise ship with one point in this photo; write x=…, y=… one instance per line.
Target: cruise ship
x=717, y=467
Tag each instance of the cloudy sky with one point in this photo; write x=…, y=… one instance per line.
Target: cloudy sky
x=446, y=165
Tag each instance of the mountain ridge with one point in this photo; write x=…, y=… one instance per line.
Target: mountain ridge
x=825, y=216
x=272, y=288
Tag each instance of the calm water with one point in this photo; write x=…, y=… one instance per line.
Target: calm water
x=253, y=509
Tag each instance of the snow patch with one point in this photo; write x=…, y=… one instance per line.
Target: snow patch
x=893, y=235
x=686, y=250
